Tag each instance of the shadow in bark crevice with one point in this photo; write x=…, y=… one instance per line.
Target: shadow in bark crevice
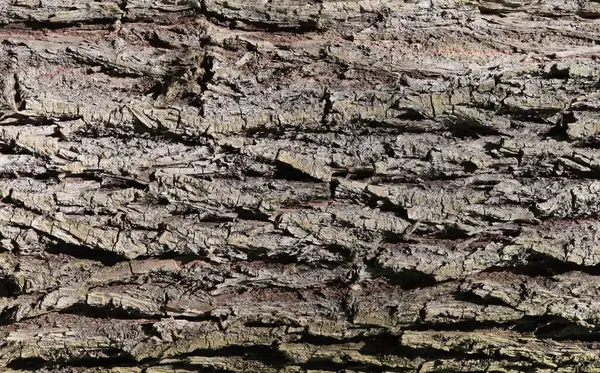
x=113, y=358
x=322, y=340
x=536, y=115
x=547, y=326
x=323, y=365
x=107, y=258
x=105, y=312
x=56, y=25
x=8, y=287
x=537, y=264
x=284, y=171
x=266, y=354
x=406, y=279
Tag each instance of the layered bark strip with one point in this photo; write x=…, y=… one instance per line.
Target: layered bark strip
x=299, y=186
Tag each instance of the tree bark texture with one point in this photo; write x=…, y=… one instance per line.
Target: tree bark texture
x=299, y=186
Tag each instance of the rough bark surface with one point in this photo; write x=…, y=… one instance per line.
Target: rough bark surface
x=299, y=186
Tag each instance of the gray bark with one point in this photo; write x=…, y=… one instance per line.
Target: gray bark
x=299, y=186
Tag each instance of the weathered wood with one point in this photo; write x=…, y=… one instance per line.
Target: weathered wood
x=299, y=186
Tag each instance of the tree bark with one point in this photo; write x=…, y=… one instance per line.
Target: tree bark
x=299, y=186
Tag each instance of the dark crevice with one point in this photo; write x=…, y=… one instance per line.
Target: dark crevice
x=406, y=279
x=123, y=6
x=316, y=364
x=588, y=14
x=475, y=299
x=463, y=326
x=469, y=166
x=333, y=184
x=48, y=175
x=463, y=128
x=139, y=131
x=9, y=315
x=122, y=182
x=210, y=217
x=411, y=114
x=19, y=94
x=384, y=205
x=529, y=115
x=118, y=359
x=8, y=287
x=264, y=353
x=387, y=345
x=408, y=176
x=30, y=363
x=22, y=119
x=456, y=232
x=247, y=172
x=537, y=264
x=107, y=258
x=328, y=106
x=399, y=211
x=37, y=364
x=91, y=175
x=263, y=132
x=483, y=10
x=344, y=252
x=257, y=254
x=391, y=345
x=203, y=368
x=395, y=238
x=428, y=353
x=112, y=71
x=410, y=279
x=355, y=174
x=554, y=327
x=156, y=90
x=559, y=130
x=389, y=150
x=251, y=214
x=54, y=25
x=262, y=324
x=254, y=254
x=546, y=326
x=103, y=312
x=198, y=318
x=11, y=147
x=172, y=255
x=261, y=255
x=284, y=171
x=323, y=340
x=156, y=42
x=207, y=65
x=408, y=126
x=593, y=142
x=557, y=73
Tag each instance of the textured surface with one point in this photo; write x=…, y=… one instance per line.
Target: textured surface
x=299, y=186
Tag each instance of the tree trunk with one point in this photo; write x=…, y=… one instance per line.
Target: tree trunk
x=299, y=186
